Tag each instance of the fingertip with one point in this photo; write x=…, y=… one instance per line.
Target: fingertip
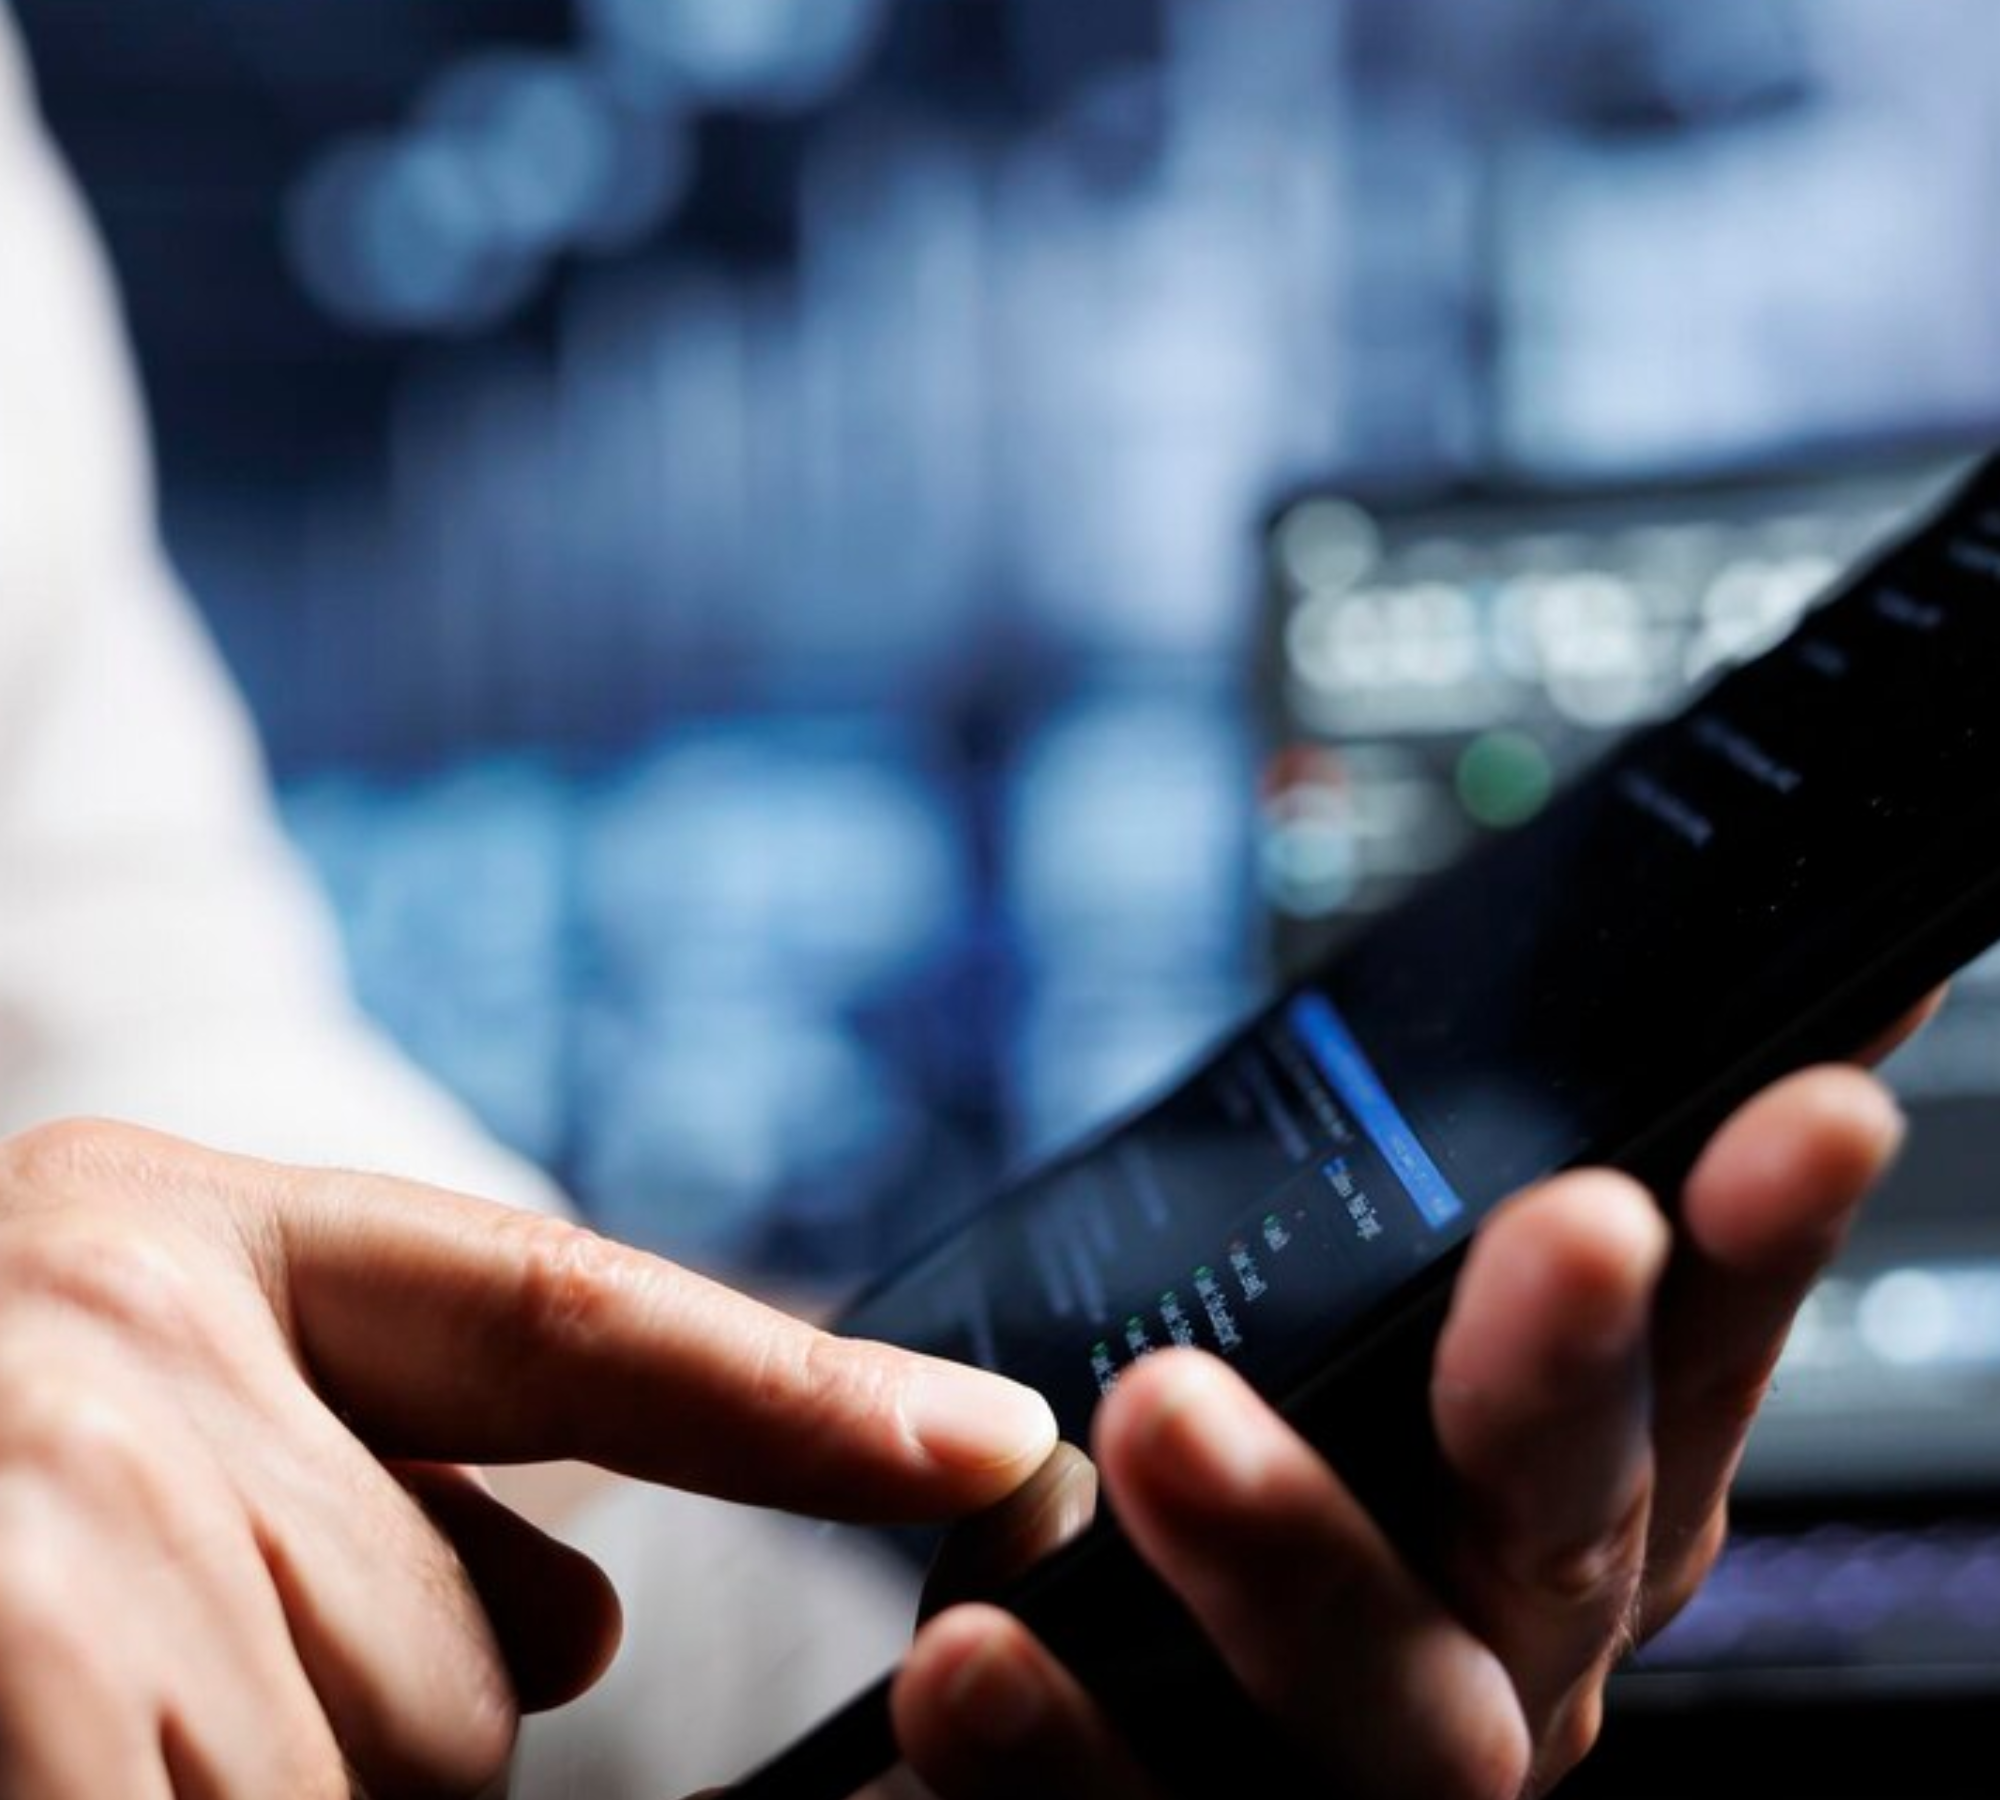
x=983, y=1712
x=1141, y=1392
x=1577, y=1260
x=1599, y=1212
x=984, y=1435
x=1858, y=1107
x=950, y=1643
x=1164, y=1379
x=1781, y=1180
x=598, y=1628
x=974, y=1679
x=1841, y=1101
x=1182, y=1424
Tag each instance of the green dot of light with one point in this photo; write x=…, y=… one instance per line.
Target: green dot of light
x=1505, y=779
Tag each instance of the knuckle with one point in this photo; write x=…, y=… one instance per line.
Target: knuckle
x=1576, y=1577
x=803, y=1375
x=830, y=1373
x=58, y=1157
x=38, y=1607
x=118, y=1275
x=1601, y=1570
x=571, y=1281
x=77, y=1438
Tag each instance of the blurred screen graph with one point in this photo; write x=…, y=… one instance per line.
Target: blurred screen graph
x=1435, y=670
x=783, y=990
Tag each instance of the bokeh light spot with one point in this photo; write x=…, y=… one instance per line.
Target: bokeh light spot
x=1505, y=779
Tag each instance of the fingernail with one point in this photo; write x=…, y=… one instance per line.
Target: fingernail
x=967, y=1419
x=1204, y=1438
x=995, y=1699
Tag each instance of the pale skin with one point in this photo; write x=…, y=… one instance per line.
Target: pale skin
x=243, y=1553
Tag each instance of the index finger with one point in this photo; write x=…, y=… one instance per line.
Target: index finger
x=453, y=1330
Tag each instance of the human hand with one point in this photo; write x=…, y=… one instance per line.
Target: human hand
x=1592, y=1392
x=243, y=1554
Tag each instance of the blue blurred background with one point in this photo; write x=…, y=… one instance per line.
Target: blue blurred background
x=742, y=520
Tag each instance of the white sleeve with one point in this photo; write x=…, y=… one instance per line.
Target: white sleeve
x=743, y=1631
x=162, y=957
